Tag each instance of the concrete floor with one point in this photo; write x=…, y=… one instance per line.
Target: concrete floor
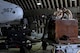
x=9, y=52
x=35, y=49
x=40, y=51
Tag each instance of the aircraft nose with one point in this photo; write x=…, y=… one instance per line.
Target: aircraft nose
x=18, y=11
x=10, y=12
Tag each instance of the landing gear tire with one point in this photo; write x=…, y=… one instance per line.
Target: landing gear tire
x=44, y=45
x=24, y=50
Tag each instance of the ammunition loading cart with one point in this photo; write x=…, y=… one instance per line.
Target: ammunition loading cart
x=17, y=39
x=63, y=36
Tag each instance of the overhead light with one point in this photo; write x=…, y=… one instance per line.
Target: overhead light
x=39, y=3
x=43, y=15
x=73, y=0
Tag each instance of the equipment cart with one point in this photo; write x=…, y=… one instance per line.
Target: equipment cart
x=64, y=36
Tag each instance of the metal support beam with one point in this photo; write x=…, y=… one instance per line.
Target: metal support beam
x=53, y=3
x=57, y=3
x=45, y=3
x=36, y=3
x=33, y=4
x=49, y=3
x=61, y=3
x=26, y=4
x=70, y=3
x=23, y=4
x=20, y=3
x=76, y=3
x=41, y=3
x=30, y=4
x=66, y=3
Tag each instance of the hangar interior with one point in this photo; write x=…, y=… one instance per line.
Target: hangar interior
x=33, y=11
x=36, y=14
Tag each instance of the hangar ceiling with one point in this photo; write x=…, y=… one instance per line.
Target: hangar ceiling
x=32, y=4
x=32, y=8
